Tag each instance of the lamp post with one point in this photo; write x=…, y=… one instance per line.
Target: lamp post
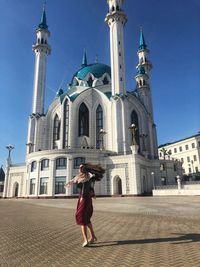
x=178, y=181
x=102, y=132
x=133, y=129
x=153, y=179
x=10, y=148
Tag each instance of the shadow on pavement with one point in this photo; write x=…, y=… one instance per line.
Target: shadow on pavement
x=181, y=239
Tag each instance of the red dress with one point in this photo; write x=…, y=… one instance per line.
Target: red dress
x=84, y=209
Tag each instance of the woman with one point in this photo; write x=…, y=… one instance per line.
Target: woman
x=85, y=182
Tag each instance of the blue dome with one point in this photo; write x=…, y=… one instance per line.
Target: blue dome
x=97, y=69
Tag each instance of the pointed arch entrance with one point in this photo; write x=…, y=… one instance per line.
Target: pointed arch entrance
x=117, y=185
x=16, y=189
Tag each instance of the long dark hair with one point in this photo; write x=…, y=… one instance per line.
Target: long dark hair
x=95, y=169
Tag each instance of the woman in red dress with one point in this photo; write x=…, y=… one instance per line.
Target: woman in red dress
x=85, y=182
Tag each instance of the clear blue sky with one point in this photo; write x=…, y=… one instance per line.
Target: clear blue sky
x=172, y=33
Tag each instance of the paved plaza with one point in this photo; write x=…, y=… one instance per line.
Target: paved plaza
x=138, y=231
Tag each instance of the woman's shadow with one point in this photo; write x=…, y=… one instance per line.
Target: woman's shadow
x=178, y=239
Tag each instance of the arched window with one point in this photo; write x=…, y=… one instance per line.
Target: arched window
x=38, y=40
x=134, y=120
x=42, y=41
x=117, y=8
x=66, y=124
x=44, y=164
x=33, y=166
x=83, y=127
x=113, y=8
x=140, y=83
x=56, y=131
x=105, y=80
x=99, y=126
x=61, y=163
x=144, y=82
x=45, y=41
x=90, y=81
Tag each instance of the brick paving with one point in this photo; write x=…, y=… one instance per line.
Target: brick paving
x=33, y=233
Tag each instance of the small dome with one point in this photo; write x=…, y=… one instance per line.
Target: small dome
x=96, y=69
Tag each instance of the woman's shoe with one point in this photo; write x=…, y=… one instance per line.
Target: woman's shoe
x=85, y=244
x=93, y=240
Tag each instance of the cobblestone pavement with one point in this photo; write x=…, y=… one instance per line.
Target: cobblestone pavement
x=153, y=232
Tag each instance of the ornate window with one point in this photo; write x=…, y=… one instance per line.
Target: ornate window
x=78, y=161
x=66, y=124
x=32, y=186
x=33, y=166
x=83, y=128
x=61, y=163
x=59, y=184
x=43, y=185
x=105, y=80
x=44, y=164
x=134, y=120
x=90, y=81
x=56, y=131
x=99, y=126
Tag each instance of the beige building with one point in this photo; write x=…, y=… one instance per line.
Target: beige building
x=186, y=150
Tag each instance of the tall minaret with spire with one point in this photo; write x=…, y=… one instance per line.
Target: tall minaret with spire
x=116, y=20
x=143, y=75
x=41, y=49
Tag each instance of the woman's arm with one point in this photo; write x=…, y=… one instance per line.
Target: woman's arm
x=72, y=181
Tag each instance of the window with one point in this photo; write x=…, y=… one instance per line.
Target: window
x=175, y=167
x=66, y=124
x=61, y=163
x=105, y=80
x=32, y=186
x=56, y=131
x=160, y=154
x=83, y=120
x=186, y=147
x=44, y=164
x=43, y=185
x=193, y=145
x=90, y=81
x=33, y=166
x=196, y=169
x=99, y=126
x=59, y=184
x=182, y=160
x=175, y=150
x=188, y=159
x=162, y=167
x=195, y=157
x=190, y=170
x=78, y=162
x=180, y=148
x=134, y=120
x=199, y=143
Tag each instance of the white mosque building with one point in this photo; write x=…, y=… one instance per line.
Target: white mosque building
x=95, y=120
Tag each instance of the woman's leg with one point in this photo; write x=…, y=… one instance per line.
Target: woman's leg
x=91, y=230
x=84, y=232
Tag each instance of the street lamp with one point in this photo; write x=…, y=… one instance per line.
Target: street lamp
x=133, y=130
x=153, y=179
x=10, y=148
x=102, y=132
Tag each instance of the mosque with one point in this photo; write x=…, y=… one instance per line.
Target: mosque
x=95, y=120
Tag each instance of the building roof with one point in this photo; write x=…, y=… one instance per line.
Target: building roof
x=2, y=174
x=167, y=144
x=142, y=41
x=96, y=69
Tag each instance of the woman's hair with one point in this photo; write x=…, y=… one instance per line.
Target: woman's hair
x=95, y=169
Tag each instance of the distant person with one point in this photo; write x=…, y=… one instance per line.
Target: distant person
x=88, y=174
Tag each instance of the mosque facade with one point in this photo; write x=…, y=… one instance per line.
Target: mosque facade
x=95, y=120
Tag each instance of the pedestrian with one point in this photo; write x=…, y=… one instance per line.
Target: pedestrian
x=85, y=180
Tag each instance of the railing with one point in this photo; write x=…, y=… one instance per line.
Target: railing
x=165, y=187
x=190, y=182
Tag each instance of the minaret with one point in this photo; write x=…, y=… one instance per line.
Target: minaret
x=143, y=75
x=116, y=20
x=42, y=50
